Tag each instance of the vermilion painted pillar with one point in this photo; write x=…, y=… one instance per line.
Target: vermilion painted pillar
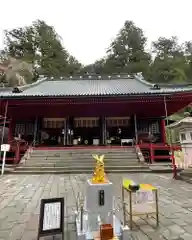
x=163, y=131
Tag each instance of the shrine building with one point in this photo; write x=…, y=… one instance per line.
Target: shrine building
x=91, y=110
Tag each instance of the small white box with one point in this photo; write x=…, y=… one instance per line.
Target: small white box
x=75, y=141
x=92, y=197
x=5, y=147
x=96, y=141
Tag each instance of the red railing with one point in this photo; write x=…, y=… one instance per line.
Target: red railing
x=17, y=147
x=148, y=150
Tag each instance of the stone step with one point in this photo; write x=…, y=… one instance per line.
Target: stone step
x=8, y=165
x=82, y=160
x=84, y=167
x=80, y=155
x=82, y=152
x=76, y=171
x=74, y=165
x=123, y=149
x=186, y=173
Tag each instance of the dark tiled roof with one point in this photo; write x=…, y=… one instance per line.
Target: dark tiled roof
x=89, y=86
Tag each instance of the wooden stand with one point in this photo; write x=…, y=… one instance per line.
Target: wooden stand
x=143, y=209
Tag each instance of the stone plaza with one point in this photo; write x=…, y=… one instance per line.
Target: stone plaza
x=20, y=201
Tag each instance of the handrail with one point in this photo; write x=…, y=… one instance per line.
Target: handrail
x=33, y=143
x=17, y=143
x=139, y=153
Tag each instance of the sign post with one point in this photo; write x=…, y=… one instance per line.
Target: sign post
x=51, y=218
x=4, y=148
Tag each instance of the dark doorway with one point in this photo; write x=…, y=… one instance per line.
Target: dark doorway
x=119, y=128
x=87, y=130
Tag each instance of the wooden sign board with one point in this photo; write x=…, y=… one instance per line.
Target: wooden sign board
x=51, y=218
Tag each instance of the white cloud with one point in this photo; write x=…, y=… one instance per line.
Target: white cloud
x=87, y=26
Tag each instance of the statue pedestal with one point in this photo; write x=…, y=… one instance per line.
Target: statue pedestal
x=92, y=202
x=99, y=204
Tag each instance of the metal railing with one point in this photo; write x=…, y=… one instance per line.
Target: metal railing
x=139, y=154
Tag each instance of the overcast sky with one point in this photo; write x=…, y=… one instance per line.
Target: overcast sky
x=88, y=26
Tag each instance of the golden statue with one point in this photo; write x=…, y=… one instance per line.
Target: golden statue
x=99, y=173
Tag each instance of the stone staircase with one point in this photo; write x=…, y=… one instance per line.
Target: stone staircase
x=80, y=161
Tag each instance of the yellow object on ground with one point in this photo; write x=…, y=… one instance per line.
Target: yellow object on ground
x=143, y=186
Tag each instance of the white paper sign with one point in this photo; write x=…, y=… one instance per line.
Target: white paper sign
x=143, y=197
x=5, y=147
x=52, y=218
x=143, y=201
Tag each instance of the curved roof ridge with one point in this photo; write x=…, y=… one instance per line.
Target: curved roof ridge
x=162, y=85
x=175, y=85
x=30, y=85
x=142, y=80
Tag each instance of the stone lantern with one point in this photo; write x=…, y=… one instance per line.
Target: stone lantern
x=184, y=128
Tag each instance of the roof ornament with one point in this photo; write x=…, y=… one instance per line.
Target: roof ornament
x=140, y=75
x=156, y=87
x=16, y=90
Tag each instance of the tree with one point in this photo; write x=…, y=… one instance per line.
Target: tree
x=127, y=52
x=169, y=64
x=41, y=46
x=73, y=65
x=20, y=44
x=167, y=47
x=53, y=57
x=188, y=56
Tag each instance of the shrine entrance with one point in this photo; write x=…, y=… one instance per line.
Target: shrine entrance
x=120, y=128
x=87, y=131
x=52, y=131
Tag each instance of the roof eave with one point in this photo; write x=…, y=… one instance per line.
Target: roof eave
x=84, y=96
